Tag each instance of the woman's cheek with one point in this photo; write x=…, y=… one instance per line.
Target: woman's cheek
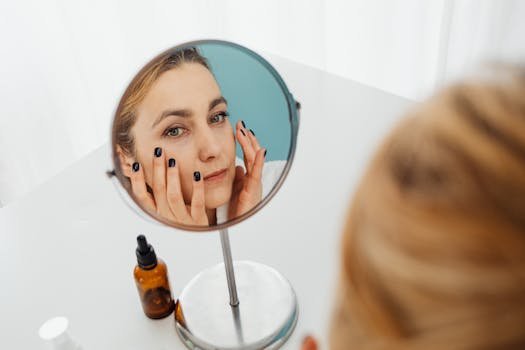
x=231, y=146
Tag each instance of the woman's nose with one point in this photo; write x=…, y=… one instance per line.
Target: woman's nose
x=208, y=145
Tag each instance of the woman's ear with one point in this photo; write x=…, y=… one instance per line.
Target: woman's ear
x=125, y=160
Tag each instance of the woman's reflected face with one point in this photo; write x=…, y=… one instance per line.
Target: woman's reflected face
x=186, y=115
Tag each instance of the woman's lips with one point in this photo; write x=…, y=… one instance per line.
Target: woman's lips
x=216, y=176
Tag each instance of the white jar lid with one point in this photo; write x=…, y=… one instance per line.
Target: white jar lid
x=54, y=332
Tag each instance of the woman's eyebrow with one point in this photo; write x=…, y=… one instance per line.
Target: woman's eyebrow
x=185, y=113
x=217, y=101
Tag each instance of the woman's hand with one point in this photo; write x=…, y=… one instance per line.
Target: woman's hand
x=309, y=343
x=247, y=186
x=167, y=200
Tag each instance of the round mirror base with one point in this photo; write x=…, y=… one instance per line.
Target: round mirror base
x=264, y=318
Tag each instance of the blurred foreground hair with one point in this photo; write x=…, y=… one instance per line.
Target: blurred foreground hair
x=434, y=243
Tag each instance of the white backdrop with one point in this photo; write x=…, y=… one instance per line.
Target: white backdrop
x=64, y=64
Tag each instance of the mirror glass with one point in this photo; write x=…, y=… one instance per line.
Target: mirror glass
x=204, y=135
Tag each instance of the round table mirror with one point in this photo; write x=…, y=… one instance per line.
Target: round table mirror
x=202, y=138
x=204, y=135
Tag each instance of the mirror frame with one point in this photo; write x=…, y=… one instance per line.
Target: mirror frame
x=293, y=111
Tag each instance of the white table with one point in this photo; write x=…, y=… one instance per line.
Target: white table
x=68, y=248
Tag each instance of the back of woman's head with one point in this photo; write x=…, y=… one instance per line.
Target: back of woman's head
x=434, y=245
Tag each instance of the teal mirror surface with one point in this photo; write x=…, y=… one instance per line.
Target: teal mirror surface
x=253, y=95
x=204, y=135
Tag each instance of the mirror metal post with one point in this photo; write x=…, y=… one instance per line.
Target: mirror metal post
x=228, y=265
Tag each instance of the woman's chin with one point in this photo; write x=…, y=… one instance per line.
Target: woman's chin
x=216, y=201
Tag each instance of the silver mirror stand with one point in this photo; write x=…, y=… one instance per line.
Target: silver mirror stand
x=261, y=312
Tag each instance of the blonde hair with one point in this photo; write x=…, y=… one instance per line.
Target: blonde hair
x=126, y=116
x=136, y=91
x=434, y=244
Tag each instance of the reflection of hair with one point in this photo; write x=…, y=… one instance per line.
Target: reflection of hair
x=139, y=87
x=434, y=244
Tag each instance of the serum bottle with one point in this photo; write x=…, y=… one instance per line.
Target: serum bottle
x=151, y=277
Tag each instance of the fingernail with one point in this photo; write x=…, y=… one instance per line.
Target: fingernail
x=197, y=176
x=243, y=125
x=171, y=162
x=158, y=152
x=252, y=132
x=243, y=132
x=136, y=166
x=265, y=152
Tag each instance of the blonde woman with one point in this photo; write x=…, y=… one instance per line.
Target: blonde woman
x=433, y=251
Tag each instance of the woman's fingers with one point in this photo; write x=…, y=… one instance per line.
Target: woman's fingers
x=194, y=214
x=309, y=343
x=253, y=184
x=159, y=183
x=198, y=209
x=139, y=189
x=238, y=182
x=258, y=164
x=174, y=192
x=251, y=192
x=253, y=140
x=250, y=134
x=249, y=144
x=246, y=145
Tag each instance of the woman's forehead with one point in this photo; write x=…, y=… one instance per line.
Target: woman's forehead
x=190, y=86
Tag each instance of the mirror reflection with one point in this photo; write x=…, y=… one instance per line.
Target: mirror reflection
x=202, y=134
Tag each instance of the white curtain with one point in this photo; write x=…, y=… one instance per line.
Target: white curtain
x=65, y=63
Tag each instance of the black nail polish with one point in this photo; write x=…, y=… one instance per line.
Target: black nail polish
x=197, y=176
x=243, y=132
x=252, y=132
x=265, y=152
x=158, y=152
x=243, y=125
x=171, y=162
x=136, y=166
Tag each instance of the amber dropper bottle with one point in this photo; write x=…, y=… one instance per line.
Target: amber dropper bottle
x=151, y=277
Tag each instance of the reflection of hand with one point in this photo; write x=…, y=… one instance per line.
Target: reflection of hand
x=247, y=186
x=167, y=200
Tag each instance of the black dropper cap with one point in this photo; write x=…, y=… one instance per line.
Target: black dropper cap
x=146, y=257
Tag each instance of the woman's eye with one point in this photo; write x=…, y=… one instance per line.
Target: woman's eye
x=174, y=132
x=219, y=117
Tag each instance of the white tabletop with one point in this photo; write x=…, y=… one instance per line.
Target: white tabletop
x=68, y=248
